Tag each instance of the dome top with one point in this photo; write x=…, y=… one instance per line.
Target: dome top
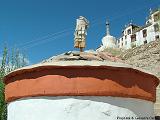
x=76, y=58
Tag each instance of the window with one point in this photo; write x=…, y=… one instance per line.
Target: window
x=144, y=33
x=122, y=39
x=125, y=42
x=129, y=31
x=157, y=37
x=156, y=27
x=156, y=17
x=133, y=38
x=125, y=36
x=122, y=44
x=145, y=42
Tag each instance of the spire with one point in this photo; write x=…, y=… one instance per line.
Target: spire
x=150, y=10
x=107, y=28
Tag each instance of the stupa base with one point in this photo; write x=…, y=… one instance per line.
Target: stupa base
x=79, y=108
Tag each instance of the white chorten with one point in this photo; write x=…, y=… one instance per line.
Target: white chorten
x=108, y=41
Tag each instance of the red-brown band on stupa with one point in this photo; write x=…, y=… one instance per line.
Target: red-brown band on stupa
x=80, y=81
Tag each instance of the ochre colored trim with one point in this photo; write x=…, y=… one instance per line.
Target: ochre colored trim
x=80, y=81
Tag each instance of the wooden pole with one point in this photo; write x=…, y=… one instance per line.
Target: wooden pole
x=81, y=49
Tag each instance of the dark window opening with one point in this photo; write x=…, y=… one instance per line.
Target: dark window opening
x=145, y=42
x=157, y=37
x=145, y=33
x=156, y=27
x=157, y=117
x=156, y=17
x=133, y=38
x=129, y=31
x=122, y=44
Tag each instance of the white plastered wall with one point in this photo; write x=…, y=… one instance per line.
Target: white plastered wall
x=78, y=108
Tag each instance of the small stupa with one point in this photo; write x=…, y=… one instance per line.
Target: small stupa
x=108, y=41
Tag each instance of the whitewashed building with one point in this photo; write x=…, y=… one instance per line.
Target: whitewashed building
x=134, y=35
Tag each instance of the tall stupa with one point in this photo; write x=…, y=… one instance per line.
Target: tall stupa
x=81, y=86
x=108, y=41
x=73, y=86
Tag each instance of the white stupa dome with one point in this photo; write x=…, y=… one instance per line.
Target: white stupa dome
x=108, y=41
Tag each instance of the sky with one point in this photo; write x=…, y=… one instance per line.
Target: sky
x=45, y=28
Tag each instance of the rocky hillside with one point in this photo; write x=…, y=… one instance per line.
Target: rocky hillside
x=145, y=56
x=89, y=55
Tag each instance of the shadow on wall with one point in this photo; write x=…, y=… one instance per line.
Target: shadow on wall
x=157, y=118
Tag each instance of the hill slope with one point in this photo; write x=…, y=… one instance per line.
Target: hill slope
x=145, y=56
